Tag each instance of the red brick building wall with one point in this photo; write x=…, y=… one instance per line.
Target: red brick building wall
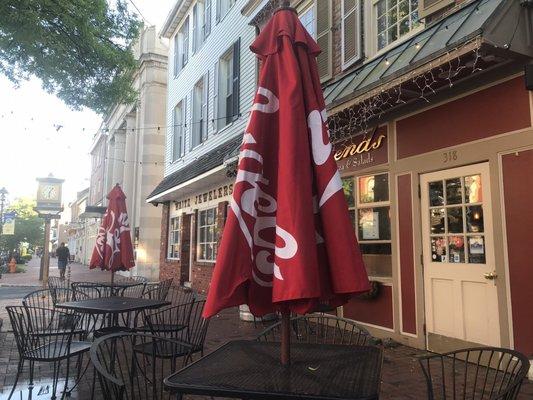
x=201, y=271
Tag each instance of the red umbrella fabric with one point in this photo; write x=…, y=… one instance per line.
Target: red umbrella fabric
x=113, y=250
x=288, y=243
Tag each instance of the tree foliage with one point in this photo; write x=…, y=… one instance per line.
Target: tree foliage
x=29, y=227
x=79, y=49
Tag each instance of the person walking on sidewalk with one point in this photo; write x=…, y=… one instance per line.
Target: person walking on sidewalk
x=63, y=257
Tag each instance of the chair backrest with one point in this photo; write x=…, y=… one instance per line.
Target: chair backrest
x=55, y=282
x=135, y=291
x=320, y=329
x=138, y=278
x=159, y=290
x=90, y=290
x=197, y=328
x=19, y=325
x=170, y=322
x=475, y=373
x=46, y=333
x=181, y=295
x=129, y=365
x=62, y=295
x=43, y=298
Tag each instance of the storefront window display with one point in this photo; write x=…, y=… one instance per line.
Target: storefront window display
x=369, y=207
x=207, y=243
x=456, y=220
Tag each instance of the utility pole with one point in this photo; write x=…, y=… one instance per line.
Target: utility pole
x=3, y=193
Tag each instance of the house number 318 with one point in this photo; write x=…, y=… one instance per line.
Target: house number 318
x=449, y=156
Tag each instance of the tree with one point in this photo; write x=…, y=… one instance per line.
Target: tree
x=79, y=49
x=29, y=227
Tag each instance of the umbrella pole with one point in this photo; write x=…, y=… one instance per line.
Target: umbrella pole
x=285, y=338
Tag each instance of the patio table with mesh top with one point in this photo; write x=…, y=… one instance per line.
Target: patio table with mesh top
x=112, y=305
x=252, y=370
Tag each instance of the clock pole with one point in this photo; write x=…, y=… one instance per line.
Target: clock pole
x=46, y=250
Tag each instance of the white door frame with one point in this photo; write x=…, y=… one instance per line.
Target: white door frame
x=457, y=306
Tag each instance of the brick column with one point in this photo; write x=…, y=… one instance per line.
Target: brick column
x=222, y=210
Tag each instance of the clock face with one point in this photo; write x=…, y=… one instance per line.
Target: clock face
x=50, y=192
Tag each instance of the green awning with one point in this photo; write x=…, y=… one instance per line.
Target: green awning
x=499, y=23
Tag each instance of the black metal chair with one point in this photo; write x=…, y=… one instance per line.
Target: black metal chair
x=482, y=373
x=135, y=291
x=90, y=290
x=321, y=329
x=46, y=335
x=62, y=295
x=159, y=290
x=55, y=282
x=133, y=365
x=43, y=298
x=183, y=323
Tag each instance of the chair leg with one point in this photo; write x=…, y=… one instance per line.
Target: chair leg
x=65, y=390
x=32, y=365
x=19, y=371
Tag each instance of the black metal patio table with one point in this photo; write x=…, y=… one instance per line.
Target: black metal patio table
x=252, y=370
x=112, y=307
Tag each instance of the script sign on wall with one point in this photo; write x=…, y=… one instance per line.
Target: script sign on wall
x=362, y=151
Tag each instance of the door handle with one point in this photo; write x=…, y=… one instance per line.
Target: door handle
x=491, y=275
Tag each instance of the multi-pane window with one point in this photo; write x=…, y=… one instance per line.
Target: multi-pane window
x=316, y=17
x=457, y=232
x=181, y=47
x=369, y=205
x=198, y=25
x=174, y=237
x=178, y=136
x=223, y=6
x=199, y=112
x=395, y=18
x=207, y=242
x=228, y=86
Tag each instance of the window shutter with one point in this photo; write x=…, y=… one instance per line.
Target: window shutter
x=185, y=125
x=351, y=31
x=324, y=38
x=182, y=127
x=195, y=28
x=177, y=55
x=215, y=97
x=174, y=137
x=236, y=78
x=207, y=18
x=218, y=11
x=185, y=42
x=193, y=129
x=205, y=108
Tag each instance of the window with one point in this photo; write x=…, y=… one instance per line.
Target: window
x=198, y=24
x=369, y=205
x=228, y=86
x=199, y=112
x=178, y=136
x=457, y=229
x=207, y=242
x=316, y=17
x=174, y=237
x=351, y=32
x=223, y=6
x=181, y=47
x=395, y=18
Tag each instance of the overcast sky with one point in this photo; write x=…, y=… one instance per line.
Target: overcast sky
x=31, y=142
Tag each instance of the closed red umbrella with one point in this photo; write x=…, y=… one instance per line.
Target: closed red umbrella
x=288, y=244
x=113, y=250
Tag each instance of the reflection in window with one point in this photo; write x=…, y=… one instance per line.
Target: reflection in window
x=394, y=19
x=456, y=223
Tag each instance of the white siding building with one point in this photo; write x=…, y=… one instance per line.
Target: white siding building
x=211, y=83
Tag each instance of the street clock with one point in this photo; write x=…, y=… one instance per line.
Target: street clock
x=49, y=194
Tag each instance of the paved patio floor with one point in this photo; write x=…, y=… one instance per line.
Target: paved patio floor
x=402, y=378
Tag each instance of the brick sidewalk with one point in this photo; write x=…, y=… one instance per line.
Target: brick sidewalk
x=402, y=378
